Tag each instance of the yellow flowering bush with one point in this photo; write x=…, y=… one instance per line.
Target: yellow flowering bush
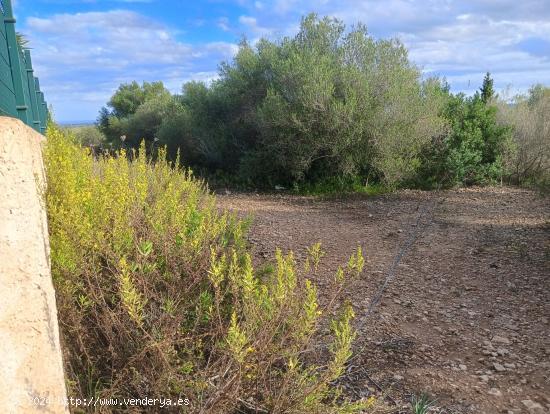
x=158, y=298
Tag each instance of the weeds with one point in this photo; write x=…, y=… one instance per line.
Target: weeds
x=422, y=404
x=157, y=295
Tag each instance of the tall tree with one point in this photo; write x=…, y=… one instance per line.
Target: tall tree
x=487, y=91
x=134, y=112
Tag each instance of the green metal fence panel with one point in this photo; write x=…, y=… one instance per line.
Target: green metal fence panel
x=15, y=63
x=31, y=86
x=42, y=106
x=7, y=95
x=20, y=94
x=26, y=97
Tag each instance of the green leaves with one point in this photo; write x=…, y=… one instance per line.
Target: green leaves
x=237, y=340
x=158, y=294
x=324, y=103
x=343, y=339
x=132, y=299
x=471, y=152
x=134, y=113
x=487, y=91
x=145, y=248
x=22, y=40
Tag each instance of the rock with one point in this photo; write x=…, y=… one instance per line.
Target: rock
x=510, y=366
x=463, y=367
x=398, y=377
x=495, y=391
x=500, y=340
x=498, y=367
x=533, y=407
x=484, y=378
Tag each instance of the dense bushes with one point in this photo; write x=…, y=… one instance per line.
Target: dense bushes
x=157, y=296
x=323, y=103
x=327, y=105
x=472, y=150
x=136, y=113
x=528, y=161
x=88, y=135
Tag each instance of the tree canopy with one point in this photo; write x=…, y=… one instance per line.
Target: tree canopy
x=330, y=102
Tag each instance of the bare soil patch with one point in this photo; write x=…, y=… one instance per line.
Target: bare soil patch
x=466, y=317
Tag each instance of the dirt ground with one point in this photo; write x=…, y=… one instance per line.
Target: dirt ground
x=466, y=316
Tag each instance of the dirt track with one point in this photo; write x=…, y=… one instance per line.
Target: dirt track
x=466, y=318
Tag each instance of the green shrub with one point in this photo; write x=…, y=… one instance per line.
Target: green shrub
x=327, y=102
x=333, y=104
x=157, y=296
x=135, y=112
x=472, y=150
x=88, y=136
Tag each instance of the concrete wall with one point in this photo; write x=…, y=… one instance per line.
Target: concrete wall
x=31, y=369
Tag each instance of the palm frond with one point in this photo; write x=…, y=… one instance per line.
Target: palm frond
x=22, y=40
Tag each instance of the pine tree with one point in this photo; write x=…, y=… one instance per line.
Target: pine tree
x=487, y=91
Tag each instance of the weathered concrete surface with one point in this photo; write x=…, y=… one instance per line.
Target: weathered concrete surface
x=31, y=369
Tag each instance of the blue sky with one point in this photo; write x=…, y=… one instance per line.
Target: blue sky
x=83, y=49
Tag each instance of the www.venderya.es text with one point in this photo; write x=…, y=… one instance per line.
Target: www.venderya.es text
x=118, y=402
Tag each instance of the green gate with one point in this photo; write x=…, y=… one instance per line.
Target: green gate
x=20, y=94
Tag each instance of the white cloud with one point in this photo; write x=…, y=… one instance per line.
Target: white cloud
x=253, y=28
x=460, y=39
x=116, y=39
x=223, y=23
x=471, y=45
x=82, y=58
x=248, y=21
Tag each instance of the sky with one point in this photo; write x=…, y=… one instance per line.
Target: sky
x=84, y=49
